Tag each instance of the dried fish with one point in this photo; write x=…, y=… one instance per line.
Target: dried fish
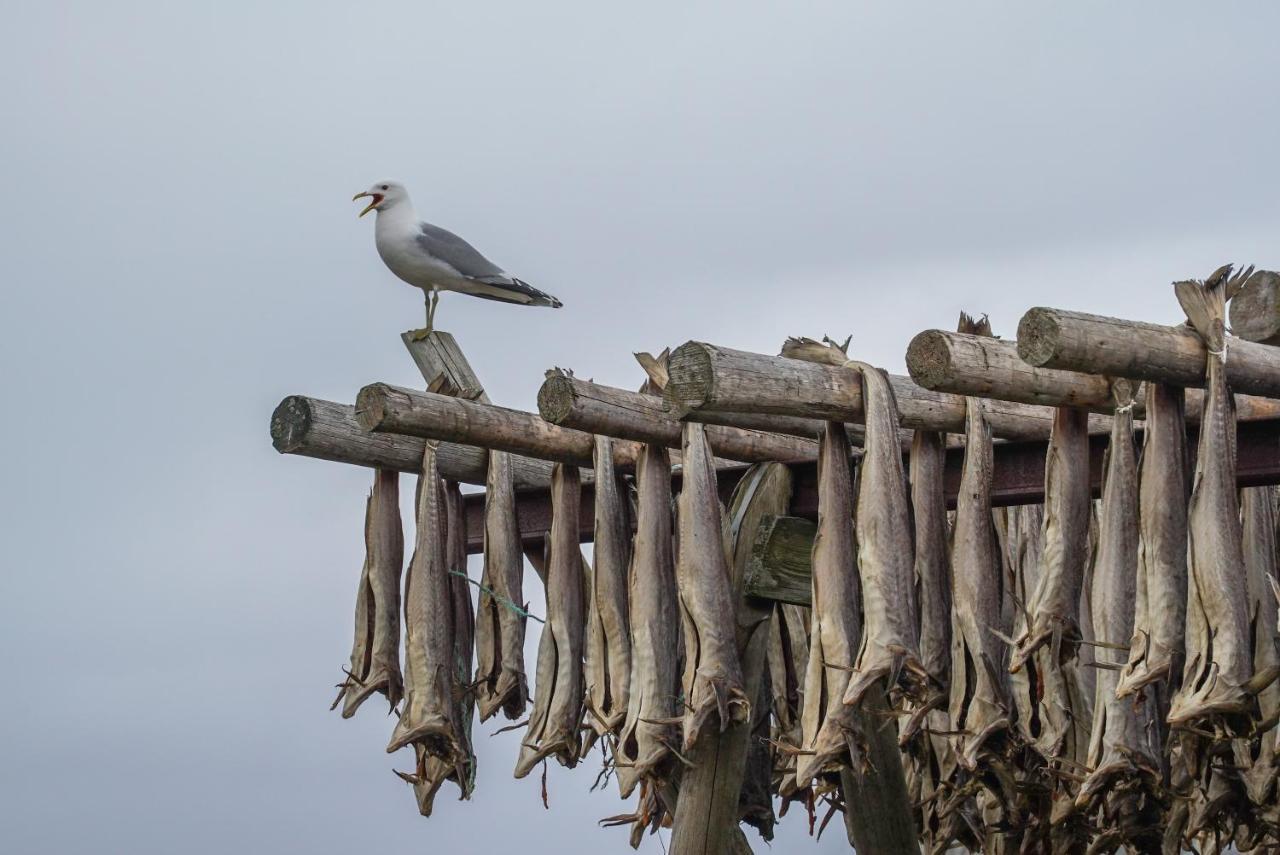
x=1124, y=747
x=1219, y=643
x=431, y=716
x=433, y=771
x=890, y=649
x=645, y=741
x=980, y=707
x=608, y=663
x=788, y=653
x=1156, y=650
x=832, y=736
x=500, y=621
x=375, y=656
x=558, y=695
x=1257, y=755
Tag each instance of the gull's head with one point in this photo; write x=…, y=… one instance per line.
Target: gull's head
x=382, y=196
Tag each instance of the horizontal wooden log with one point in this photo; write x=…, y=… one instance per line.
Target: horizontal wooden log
x=312, y=427
x=780, y=567
x=708, y=378
x=1255, y=311
x=1075, y=341
x=569, y=402
x=988, y=367
x=383, y=408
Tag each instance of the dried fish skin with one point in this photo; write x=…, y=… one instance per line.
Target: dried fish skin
x=500, y=678
x=1219, y=648
x=787, y=657
x=932, y=554
x=375, y=658
x=608, y=663
x=1157, y=647
x=431, y=715
x=647, y=735
x=558, y=700
x=713, y=684
x=1124, y=747
x=979, y=707
x=886, y=554
x=832, y=737
x=1258, y=756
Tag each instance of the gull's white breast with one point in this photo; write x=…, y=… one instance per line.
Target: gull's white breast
x=398, y=246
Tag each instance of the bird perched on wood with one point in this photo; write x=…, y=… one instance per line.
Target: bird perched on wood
x=435, y=259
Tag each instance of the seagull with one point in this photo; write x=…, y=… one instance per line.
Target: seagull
x=435, y=259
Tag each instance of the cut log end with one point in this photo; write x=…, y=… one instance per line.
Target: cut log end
x=555, y=398
x=689, y=378
x=290, y=423
x=929, y=360
x=371, y=405
x=1038, y=334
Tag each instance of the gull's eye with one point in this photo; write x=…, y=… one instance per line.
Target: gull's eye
x=384, y=187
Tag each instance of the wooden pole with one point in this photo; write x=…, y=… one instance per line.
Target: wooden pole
x=1075, y=341
x=991, y=368
x=1255, y=311
x=708, y=378
x=383, y=408
x=567, y=401
x=444, y=366
x=329, y=431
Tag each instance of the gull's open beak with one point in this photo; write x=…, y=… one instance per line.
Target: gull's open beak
x=377, y=200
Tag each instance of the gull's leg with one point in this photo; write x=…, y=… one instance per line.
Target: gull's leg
x=432, y=297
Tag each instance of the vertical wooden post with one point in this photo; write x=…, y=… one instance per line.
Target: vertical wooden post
x=444, y=367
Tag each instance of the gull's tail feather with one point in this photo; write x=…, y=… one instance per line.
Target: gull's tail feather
x=512, y=290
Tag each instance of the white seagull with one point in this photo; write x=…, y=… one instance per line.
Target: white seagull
x=435, y=259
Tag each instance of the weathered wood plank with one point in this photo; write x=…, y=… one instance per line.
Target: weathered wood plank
x=780, y=567
x=444, y=366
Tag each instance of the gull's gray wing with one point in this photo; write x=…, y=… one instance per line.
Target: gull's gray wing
x=470, y=264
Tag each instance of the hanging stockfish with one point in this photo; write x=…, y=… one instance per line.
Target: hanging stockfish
x=713, y=687
x=1215, y=689
x=788, y=652
x=1257, y=755
x=980, y=708
x=434, y=771
x=432, y=715
x=608, y=663
x=558, y=695
x=832, y=736
x=375, y=656
x=501, y=616
x=1124, y=748
x=1156, y=650
x=890, y=649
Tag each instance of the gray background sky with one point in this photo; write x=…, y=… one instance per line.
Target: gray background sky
x=180, y=252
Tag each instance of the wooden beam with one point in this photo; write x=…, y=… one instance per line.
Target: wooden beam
x=1255, y=311
x=383, y=408
x=312, y=427
x=1075, y=341
x=444, y=366
x=781, y=568
x=708, y=378
x=567, y=401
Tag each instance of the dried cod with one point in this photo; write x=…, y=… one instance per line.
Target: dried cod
x=500, y=616
x=889, y=654
x=712, y=683
x=648, y=735
x=375, y=656
x=608, y=661
x=558, y=693
x=1257, y=755
x=432, y=718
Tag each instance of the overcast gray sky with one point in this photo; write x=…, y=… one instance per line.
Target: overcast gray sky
x=180, y=252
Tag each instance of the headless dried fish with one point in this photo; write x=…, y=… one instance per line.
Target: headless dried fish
x=1124, y=748
x=832, y=737
x=1219, y=643
x=980, y=708
x=788, y=654
x=558, y=695
x=431, y=717
x=1156, y=650
x=886, y=556
x=644, y=743
x=608, y=663
x=375, y=656
x=1257, y=755
x=713, y=686
x=433, y=771
x=500, y=622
